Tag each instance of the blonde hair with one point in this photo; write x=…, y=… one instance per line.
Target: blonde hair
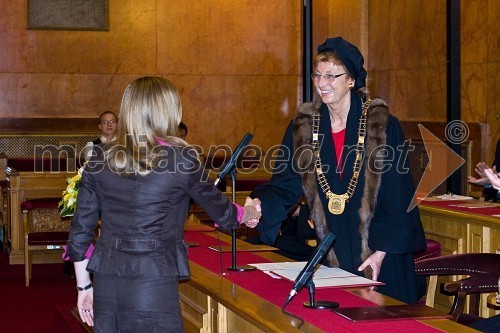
x=150, y=114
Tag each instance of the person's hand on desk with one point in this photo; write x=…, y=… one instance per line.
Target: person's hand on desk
x=480, y=170
x=375, y=262
x=494, y=178
x=252, y=212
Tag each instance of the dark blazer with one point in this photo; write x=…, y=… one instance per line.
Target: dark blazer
x=142, y=228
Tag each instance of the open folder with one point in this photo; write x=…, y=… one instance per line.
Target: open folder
x=390, y=312
x=245, y=248
x=324, y=277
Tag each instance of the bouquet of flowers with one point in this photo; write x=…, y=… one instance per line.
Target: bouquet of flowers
x=67, y=205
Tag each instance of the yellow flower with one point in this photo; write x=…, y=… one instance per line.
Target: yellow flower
x=68, y=201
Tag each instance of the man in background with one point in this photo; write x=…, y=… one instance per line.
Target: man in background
x=107, y=125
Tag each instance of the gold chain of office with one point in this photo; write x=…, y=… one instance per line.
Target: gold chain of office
x=336, y=202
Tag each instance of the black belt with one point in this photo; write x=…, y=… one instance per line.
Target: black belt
x=139, y=245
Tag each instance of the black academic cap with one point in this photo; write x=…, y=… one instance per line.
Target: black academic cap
x=350, y=56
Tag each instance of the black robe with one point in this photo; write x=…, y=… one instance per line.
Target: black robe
x=393, y=230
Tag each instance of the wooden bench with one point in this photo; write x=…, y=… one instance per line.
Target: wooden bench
x=29, y=183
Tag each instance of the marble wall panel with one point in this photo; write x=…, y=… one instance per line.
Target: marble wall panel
x=417, y=33
x=379, y=35
x=345, y=21
x=320, y=22
x=129, y=46
x=219, y=114
x=473, y=92
x=240, y=60
x=229, y=37
x=418, y=94
x=473, y=31
x=12, y=35
x=379, y=83
x=58, y=95
x=493, y=13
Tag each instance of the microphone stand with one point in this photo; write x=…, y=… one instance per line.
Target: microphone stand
x=233, y=234
x=319, y=304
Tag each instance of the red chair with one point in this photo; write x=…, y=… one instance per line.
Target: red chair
x=433, y=250
x=483, y=270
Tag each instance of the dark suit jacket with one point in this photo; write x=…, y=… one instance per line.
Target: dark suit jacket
x=142, y=228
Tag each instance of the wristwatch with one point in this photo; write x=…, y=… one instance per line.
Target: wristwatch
x=84, y=288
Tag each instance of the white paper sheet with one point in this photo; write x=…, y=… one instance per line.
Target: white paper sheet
x=324, y=277
x=453, y=197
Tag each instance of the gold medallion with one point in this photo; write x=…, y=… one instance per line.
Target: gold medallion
x=336, y=204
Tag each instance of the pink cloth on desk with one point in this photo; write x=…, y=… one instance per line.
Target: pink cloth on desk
x=452, y=205
x=276, y=291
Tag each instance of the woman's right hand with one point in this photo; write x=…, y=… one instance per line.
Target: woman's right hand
x=85, y=306
x=480, y=170
x=252, y=212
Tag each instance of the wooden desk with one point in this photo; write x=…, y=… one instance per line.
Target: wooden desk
x=212, y=303
x=461, y=230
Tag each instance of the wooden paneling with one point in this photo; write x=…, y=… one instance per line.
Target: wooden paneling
x=232, y=37
x=237, y=64
x=33, y=126
x=407, y=61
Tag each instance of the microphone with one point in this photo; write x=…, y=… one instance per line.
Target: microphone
x=305, y=276
x=232, y=161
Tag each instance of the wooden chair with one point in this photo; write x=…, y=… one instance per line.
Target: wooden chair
x=483, y=270
x=3, y=215
x=44, y=229
x=3, y=203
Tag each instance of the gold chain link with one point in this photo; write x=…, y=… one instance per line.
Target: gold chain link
x=358, y=163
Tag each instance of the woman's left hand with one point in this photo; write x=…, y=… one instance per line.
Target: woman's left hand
x=375, y=262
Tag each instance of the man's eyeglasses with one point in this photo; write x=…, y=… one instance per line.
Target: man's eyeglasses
x=108, y=122
x=328, y=77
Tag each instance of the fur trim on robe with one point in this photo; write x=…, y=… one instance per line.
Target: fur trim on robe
x=377, y=118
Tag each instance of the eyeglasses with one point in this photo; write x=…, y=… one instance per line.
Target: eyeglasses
x=108, y=122
x=328, y=77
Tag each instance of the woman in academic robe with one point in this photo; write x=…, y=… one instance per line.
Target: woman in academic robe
x=347, y=155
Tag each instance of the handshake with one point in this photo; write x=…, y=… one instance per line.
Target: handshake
x=251, y=212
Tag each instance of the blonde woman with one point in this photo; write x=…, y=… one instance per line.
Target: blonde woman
x=140, y=185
